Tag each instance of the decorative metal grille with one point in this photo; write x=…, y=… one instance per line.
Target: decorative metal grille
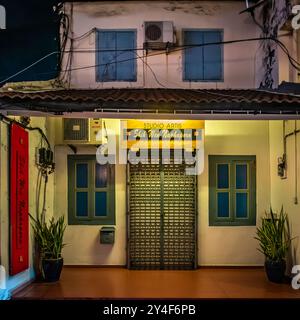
x=162, y=217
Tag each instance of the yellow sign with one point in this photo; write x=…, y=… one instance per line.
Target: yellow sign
x=172, y=134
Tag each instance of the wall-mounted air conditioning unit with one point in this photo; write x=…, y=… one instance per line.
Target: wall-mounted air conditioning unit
x=81, y=131
x=159, y=34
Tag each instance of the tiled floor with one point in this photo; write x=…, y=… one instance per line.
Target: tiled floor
x=119, y=283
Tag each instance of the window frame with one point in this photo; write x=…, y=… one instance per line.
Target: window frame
x=232, y=161
x=91, y=189
x=184, y=79
x=97, y=71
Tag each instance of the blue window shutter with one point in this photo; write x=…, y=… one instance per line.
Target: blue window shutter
x=81, y=175
x=223, y=204
x=126, y=70
x=82, y=204
x=241, y=176
x=101, y=175
x=193, y=56
x=223, y=176
x=106, y=56
x=213, y=64
x=241, y=205
x=100, y=204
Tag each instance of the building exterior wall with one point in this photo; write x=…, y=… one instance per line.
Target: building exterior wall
x=241, y=67
x=286, y=71
x=34, y=142
x=83, y=242
x=217, y=245
x=233, y=245
x=283, y=191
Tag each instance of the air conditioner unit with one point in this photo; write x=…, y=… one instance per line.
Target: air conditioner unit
x=159, y=34
x=81, y=131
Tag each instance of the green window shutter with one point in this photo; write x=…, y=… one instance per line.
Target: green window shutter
x=232, y=190
x=91, y=191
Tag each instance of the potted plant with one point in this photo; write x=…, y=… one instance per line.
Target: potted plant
x=49, y=239
x=274, y=241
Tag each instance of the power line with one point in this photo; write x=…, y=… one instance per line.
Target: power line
x=293, y=62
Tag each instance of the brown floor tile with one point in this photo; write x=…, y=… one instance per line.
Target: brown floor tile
x=97, y=283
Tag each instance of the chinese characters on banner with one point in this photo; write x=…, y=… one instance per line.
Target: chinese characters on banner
x=19, y=224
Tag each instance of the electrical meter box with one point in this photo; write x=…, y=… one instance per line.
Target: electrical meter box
x=107, y=235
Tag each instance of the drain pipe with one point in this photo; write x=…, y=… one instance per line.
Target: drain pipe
x=284, y=159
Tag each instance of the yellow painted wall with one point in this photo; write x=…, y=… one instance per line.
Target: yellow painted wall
x=34, y=141
x=233, y=245
x=83, y=244
x=217, y=245
x=283, y=191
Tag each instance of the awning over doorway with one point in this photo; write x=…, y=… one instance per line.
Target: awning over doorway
x=169, y=101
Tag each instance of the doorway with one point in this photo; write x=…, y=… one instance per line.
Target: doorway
x=162, y=217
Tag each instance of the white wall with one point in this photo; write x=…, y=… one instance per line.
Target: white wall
x=283, y=190
x=240, y=60
x=34, y=141
x=233, y=245
x=286, y=71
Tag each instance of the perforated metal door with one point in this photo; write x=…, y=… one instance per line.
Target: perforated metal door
x=162, y=217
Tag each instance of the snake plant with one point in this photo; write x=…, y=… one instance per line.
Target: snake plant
x=273, y=236
x=49, y=236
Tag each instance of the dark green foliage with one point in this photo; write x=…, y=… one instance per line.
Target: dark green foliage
x=273, y=236
x=49, y=236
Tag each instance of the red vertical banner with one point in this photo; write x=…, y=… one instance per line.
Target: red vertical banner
x=19, y=224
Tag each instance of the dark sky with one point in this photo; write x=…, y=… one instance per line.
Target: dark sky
x=32, y=31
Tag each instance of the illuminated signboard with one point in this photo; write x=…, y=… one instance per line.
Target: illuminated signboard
x=173, y=134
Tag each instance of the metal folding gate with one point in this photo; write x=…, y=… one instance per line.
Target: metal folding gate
x=162, y=217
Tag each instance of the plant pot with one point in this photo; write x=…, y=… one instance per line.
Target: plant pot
x=275, y=270
x=52, y=269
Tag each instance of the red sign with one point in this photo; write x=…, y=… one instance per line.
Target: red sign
x=19, y=224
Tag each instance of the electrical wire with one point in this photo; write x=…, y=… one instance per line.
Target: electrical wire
x=38, y=188
x=41, y=132
x=83, y=36
x=193, y=90
x=292, y=61
x=179, y=48
x=30, y=66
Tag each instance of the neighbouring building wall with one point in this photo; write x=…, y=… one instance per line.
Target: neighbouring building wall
x=34, y=142
x=234, y=245
x=284, y=191
x=217, y=245
x=286, y=71
x=241, y=67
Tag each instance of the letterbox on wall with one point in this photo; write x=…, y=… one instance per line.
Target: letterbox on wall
x=107, y=235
